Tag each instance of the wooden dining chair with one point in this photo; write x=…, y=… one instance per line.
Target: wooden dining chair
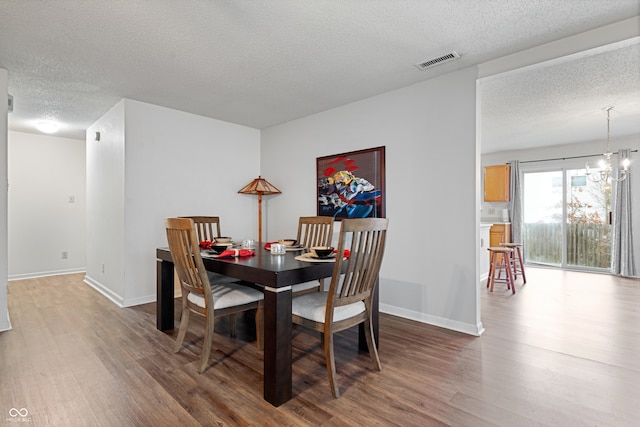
x=313, y=231
x=348, y=301
x=199, y=295
x=208, y=228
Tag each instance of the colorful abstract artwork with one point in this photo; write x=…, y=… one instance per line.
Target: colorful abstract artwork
x=351, y=185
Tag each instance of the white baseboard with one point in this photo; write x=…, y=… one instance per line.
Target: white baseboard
x=45, y=274
x=115, y=298
x=467, y=328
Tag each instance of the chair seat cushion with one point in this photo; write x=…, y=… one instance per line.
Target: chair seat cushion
x=312, y=306
x=228, y=295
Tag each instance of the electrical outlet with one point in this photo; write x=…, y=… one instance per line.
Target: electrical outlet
x=492, y=211
x=64, y=255
x=72, y=199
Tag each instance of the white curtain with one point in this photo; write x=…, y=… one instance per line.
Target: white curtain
x=622, y=262
x=516, y=203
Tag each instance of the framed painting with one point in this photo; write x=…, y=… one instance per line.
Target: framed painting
x=351, y=185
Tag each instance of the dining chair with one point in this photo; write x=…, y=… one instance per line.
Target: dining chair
x=348, y=301
x=199, y=295
x=313, y=231
x=208, y=228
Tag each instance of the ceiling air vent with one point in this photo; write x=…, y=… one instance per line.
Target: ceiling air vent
x=437, y=61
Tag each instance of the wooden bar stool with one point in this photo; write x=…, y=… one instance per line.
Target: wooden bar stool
x=518, y=265
x=500, y=259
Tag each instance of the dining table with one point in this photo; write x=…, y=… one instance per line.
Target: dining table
x=274, y=274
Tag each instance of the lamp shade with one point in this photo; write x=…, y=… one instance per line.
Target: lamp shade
x=259, y=186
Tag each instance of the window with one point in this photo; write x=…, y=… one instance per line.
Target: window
x=566, y=219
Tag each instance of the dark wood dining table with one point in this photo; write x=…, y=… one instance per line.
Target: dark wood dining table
x=274, y=274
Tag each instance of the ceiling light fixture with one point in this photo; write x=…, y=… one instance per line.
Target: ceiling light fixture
x=47, y=126
x=604, y=171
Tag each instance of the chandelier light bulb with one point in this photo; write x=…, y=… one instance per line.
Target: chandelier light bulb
x=625, y=164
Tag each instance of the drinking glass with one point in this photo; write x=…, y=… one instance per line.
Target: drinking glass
x=278, y=249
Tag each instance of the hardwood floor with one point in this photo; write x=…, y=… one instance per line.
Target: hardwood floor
x=563, y=351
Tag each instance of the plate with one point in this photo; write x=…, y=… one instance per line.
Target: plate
x=311, y=258
x=295, y=248
x=331, y=255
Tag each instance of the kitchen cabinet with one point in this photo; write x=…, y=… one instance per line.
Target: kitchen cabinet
x=496, y=183
x=499, y=233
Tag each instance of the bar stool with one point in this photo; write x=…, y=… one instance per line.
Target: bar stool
x=518, y=265
x=500, y=259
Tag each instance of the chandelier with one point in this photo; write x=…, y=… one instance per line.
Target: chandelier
x=604, y=171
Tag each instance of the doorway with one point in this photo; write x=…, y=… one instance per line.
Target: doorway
x=567, y=219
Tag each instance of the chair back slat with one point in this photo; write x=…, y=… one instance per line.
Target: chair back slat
x=207, y=227
x=185, y=253
x=315, y=231
x=365, y=239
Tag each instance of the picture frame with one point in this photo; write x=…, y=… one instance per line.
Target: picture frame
x=351, y=184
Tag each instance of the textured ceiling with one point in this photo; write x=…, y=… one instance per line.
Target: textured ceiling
x=562, y=102
x=268, y=62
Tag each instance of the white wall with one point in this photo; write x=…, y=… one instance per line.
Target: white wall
x=429, y=272
x=5, y=323
x=151, y=163
x=44, y=172
x=105, y=204
x=572, y=150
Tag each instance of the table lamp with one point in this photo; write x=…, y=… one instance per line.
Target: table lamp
x=259, y=186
